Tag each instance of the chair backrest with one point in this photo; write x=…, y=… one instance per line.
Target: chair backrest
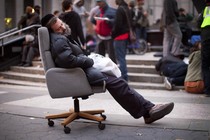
x=63, y=82
x=44, y=47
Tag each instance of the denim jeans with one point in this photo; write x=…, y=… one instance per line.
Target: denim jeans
x=120, y=47
x=141, y=33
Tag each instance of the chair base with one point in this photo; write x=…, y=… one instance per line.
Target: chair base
x=72, y=115
x=75, y=113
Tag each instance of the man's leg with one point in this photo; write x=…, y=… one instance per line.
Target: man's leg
x=174, y=29
x=24, y=54
x=205, y=53
x=134, y=103
x=101, y=48
x=180, y=71
x=31, y=54
x=111, y=51
x=128, y=98
x=120, y=47
x=177, y=81
x=167, y=39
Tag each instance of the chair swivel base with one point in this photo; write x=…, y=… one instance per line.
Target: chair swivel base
x=76, y=114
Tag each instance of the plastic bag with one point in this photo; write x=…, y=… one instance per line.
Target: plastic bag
x=105, y=65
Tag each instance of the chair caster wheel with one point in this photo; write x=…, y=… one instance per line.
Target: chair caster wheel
x=50, y=123
x=103, y=116
x=67, y=130
x=101, y=126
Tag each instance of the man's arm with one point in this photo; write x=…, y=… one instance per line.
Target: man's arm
x=68, y=55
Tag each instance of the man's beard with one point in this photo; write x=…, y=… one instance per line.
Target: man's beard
x=67, y=32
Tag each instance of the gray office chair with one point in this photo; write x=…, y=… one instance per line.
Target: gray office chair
x=63, y=83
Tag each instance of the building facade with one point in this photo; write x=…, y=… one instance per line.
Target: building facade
x=12, y=10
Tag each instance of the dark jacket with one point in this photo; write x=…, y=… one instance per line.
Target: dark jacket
x=34, y=19
x=68, y=55
x=72, y=19
x=28, y=20
x=121, y=24
x=170, y=12
x=22, y=23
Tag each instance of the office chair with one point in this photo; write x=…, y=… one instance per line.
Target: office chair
x=63, y=83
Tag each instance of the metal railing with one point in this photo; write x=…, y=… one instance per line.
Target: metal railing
x=21, y=30
x=9, y=31
x=13, y=32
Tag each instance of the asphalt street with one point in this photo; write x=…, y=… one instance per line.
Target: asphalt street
x=23, y=110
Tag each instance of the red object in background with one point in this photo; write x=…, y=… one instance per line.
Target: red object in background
x=141, y=2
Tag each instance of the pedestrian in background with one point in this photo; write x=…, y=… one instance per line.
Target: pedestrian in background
x=103, y=21
x=205, y=50
x=30, y=47
x=194, y=79
x=120, y=35
x=172, y=36
x=72, y=19
x=22, y=23
x=78, y=7
x=184, y=19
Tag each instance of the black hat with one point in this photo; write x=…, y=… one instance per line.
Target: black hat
x=46, y=19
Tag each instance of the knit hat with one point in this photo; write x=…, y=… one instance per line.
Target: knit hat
x=45, y=20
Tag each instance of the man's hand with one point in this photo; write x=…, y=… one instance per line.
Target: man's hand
x=84, y=47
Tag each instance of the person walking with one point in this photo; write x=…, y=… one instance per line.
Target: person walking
x=103, y=20
x=172, y=38
x=78, y=7
x=72, y=19
x=68, y=55
x=205, y=49
x=120, y=35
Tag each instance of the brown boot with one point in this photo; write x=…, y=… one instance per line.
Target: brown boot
x=158, y=111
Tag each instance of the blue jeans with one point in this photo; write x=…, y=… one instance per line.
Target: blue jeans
x=120, y=47
x=141, y=33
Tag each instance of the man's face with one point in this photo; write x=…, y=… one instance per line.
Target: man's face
x=58, y=27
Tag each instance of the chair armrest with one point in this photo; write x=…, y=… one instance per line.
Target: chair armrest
x=67, y=83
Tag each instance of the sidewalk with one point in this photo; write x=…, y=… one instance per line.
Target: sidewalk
x=22, y=111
